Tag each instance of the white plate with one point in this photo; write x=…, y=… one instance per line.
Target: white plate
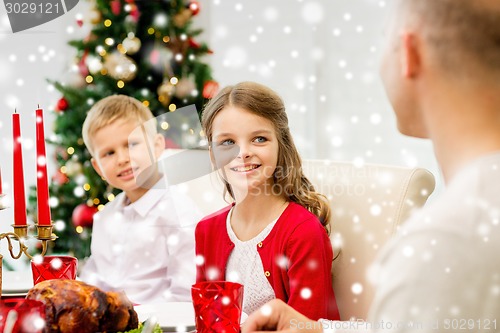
x=16, y=282
x=172, y=316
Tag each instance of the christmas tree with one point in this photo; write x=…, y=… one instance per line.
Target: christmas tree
x=145, y=49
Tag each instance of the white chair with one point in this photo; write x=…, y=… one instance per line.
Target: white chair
x=368, y=202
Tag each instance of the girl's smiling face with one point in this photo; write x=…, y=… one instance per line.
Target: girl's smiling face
x=254, y=139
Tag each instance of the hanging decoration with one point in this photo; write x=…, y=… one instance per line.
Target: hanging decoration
x=210, y=89
x=165, y=92
x=62, y=104
x=120, y=67
x=131, y=44
x=83, y=215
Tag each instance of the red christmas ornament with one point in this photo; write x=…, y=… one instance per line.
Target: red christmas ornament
x=82, y=66
x=116, y=7
x=134, y=13
x=154, y=57
x=62, y=104
x=193, y=44
x=194, y=7
x=210, y=88
x=60, y=178
x=79, y=22
x=61, y=152
x=83, y=215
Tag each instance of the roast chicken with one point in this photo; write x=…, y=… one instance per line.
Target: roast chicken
x=74, y=306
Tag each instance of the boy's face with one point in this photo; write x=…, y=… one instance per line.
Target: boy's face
x=121, y=152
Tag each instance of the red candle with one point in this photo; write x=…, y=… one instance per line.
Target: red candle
x=42, y=183
x=19, y=197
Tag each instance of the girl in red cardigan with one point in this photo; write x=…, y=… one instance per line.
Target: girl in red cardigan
x=273, y=237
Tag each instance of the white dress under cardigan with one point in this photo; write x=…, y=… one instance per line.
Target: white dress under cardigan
x=245, y=266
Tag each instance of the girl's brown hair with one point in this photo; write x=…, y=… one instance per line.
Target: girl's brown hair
x=289, y=178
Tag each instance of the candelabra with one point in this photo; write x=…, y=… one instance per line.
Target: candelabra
x=20, y=235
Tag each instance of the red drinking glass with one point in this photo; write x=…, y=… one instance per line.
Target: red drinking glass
x=217, y=306
x=53, y=267
x=18, y=315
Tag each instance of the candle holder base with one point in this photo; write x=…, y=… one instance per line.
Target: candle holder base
x=23, y=249
x=21, y=230
x=45, y=232
x=20, y=235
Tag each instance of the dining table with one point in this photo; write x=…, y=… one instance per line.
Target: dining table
x=16, y=283
x=171, y=316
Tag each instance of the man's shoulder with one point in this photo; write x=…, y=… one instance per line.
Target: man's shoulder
x=460, y=221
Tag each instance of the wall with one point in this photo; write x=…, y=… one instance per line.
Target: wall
x=321, y=56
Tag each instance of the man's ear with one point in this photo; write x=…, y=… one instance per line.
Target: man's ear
x=96, y=166
x=410, y=55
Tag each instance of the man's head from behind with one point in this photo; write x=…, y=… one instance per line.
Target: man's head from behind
x=456, y=41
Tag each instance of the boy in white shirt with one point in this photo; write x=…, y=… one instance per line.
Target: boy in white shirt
x=143, y=240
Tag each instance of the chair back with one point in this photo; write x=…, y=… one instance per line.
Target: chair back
x=369, y=203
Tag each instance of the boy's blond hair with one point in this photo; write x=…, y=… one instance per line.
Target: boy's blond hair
x=111, y=109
